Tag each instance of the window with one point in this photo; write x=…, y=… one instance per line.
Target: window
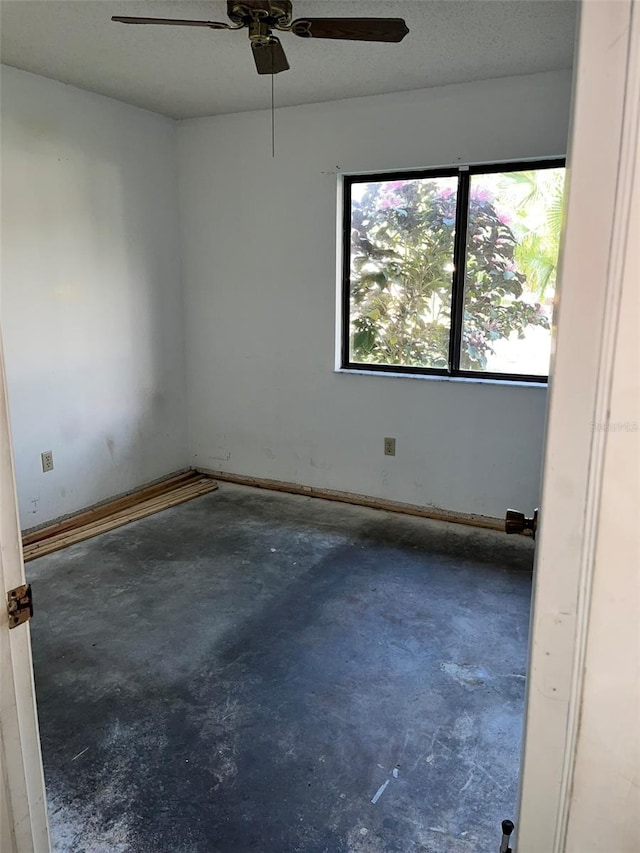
x=452, y=272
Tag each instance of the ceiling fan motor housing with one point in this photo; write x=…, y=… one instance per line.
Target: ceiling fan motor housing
x=271, y=13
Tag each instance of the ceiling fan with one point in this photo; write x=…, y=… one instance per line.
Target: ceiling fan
x=261, y=17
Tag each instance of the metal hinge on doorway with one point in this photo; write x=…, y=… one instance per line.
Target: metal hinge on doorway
x=19, y=605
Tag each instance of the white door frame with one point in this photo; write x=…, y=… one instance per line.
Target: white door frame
x=602, y=163
x=23, y=814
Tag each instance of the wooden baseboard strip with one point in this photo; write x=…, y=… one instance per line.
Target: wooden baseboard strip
x=192, y=488
x=104, y=510
x=483, y=521
x=196, y=482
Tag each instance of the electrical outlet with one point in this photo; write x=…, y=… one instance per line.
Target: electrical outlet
x=389, y=447
x=47, y=460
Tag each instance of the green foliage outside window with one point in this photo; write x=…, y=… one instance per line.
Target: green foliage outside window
x=402, y=242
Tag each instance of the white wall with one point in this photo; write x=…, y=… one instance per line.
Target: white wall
x=92, y=313
x=91, y=305
x=259, y=246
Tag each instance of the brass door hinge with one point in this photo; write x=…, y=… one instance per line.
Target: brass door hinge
x=19, y=605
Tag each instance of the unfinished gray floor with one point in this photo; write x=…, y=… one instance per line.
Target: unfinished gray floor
x=245, y=671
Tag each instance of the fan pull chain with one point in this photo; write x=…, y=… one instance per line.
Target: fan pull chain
x=273, y=114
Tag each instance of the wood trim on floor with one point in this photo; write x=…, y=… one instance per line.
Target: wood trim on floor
x=92, y=522
x=486, y=522
x=199, y=481
x=104, y=509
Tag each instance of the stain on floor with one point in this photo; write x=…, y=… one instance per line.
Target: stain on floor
x=246, y=671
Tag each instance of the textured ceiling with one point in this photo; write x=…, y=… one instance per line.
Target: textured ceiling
x=183, y=72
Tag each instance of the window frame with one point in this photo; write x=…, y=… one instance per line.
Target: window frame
x=464, y=174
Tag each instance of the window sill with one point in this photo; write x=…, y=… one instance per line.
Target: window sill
x=466, y=380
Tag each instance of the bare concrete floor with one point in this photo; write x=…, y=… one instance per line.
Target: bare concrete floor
x=246, y=671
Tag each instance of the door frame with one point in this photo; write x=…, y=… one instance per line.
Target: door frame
x=23, y=814
x=602, y=166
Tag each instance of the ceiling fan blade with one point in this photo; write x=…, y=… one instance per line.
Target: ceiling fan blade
x=173, y=22
x=356, y=29
x=269, y=58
